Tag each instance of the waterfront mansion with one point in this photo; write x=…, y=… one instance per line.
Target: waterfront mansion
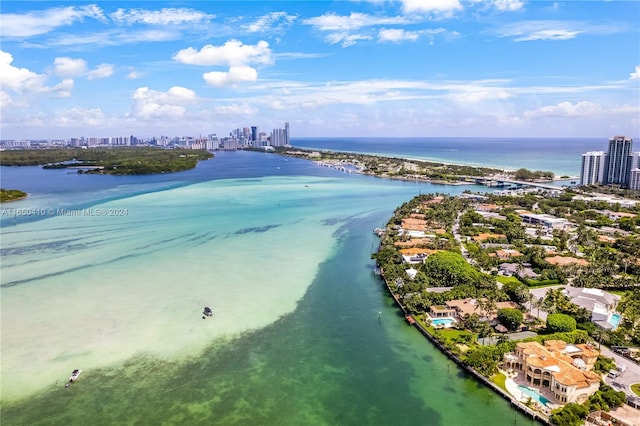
x=559, y=370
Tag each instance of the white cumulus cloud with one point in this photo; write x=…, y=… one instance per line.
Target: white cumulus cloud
x=232, y=53
x=151, y=104
x=69, y=67
x=234, y=76
x=18, y=79
x=101, y=71
x=636, y=74
x=23, y=80
x=397, y=34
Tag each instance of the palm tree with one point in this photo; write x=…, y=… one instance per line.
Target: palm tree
x=538, y=304
x=553, y=300
x=530, y=298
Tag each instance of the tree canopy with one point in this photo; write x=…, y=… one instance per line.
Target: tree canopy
x=116, y=161
x=510, y=318
x=450, y=269
x=558, y=323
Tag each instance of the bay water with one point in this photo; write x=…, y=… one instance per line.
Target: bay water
x=110, y=274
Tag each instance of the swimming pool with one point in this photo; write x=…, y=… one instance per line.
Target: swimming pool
x=446, y=322
x=614, y=320
x=534, y=394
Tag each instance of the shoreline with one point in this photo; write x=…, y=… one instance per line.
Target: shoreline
x=15, y=199
x=355, y=166
x=423, y=159
x=477, y=376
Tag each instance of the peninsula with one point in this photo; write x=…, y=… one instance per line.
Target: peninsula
x=502, y=285
x=112, y=161
x=410, y=169
x=7, y=195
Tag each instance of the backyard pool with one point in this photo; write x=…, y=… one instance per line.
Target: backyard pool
x=614, y=320
x=534, y=394
x=445, y=322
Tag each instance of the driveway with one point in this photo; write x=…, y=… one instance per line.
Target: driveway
x=628, y=377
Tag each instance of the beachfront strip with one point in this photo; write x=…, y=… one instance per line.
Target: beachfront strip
x=493, y=252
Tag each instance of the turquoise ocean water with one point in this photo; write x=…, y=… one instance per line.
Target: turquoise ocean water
x=110, y=275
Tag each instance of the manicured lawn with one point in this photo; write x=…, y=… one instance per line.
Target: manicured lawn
x=635, y=388
x=506, y=280
x=500, y=379
x=455, y=336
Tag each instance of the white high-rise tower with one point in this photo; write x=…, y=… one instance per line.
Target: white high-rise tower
x=593, y=167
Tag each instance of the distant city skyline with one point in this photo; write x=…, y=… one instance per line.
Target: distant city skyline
x=405, y=68
x=239, y=138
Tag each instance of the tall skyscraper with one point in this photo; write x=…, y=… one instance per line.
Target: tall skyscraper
x=254, y=133
x=286, y=134
x=619, y=161
x=593, y=167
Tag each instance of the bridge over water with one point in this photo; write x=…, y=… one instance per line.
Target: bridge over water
x=500, y=182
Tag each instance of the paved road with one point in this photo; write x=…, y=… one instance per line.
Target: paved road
x=627, y=378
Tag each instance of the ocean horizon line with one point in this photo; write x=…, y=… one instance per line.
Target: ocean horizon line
x=467, y=137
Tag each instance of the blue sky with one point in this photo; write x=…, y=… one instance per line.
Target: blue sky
x=348, y=68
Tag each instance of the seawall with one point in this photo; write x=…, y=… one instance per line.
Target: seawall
x=517, y=404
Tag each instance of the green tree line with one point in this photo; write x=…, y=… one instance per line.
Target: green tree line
x=117, y=161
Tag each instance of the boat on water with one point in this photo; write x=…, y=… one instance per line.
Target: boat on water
x=207, y=311
x=74, y=375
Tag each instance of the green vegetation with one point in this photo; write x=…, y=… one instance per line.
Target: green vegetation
x=507, y=280
x=484, y=359
x=604, y=364
x=115, y=161
x=635, y=388
x=489, y=241
x=395, y=168
x=510, y=318
x=524, y=174
x=500, y=380
x=560, y=323
x=571, y=414
x=450, y=269
x=11, y=195
x=516, y=291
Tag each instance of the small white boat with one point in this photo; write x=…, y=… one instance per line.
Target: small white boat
x=74, y=375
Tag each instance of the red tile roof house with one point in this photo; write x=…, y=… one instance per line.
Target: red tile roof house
x=561, y=371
